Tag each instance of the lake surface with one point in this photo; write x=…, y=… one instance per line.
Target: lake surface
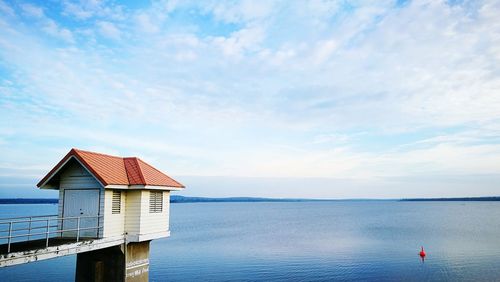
x=310, y=241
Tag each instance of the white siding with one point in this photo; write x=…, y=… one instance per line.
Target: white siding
x=75, y=176
x=155, y=222
x=114, y=224
x=133, y=212
x=139, y=220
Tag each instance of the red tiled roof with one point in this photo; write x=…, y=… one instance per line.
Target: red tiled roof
x=133, y=171
x=116, y=170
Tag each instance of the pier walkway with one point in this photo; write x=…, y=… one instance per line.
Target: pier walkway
x=33, y=238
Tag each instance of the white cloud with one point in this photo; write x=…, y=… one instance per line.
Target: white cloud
x=87, y=9
x=323, y=51
x=32, y=10
x=243, y=40
x=242, y=11
x=285, y=89
x=6, y=9
x=51, y=27
x=146, y=23
x=77, y=11
x=46, y=24
x=108, y=30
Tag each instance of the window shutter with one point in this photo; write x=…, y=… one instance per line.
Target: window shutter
x=116, y=204
x=155, y=202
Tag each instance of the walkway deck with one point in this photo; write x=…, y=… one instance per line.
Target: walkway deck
x=34, y=245
x=24, y=252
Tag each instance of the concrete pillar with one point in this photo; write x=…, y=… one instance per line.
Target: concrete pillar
x=137, y=262
x=100, y=265
x=129, y=263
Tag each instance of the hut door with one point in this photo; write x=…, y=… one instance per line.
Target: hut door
x=84, y=204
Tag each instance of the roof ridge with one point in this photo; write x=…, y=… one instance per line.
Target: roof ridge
x=138, y=166
x=95, y=153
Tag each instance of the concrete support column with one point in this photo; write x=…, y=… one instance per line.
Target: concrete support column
x=129, y=262
x=137, y=262
x=100, y=265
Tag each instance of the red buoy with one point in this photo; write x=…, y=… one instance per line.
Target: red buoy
x=422, y=252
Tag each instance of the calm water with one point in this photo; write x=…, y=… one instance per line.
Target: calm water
x=320, y=241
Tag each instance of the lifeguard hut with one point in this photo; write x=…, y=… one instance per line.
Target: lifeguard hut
x=112, y=201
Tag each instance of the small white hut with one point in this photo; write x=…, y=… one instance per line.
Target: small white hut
x=112, y=196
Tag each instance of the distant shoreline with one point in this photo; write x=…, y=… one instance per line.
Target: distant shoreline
x=463, y=199
x=183, y=199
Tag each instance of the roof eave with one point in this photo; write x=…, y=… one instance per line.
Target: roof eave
x=55, y=169
x=144, y=187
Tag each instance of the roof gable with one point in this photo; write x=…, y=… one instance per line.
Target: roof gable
x=112, y=170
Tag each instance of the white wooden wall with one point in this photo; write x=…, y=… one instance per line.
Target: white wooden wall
x=114, y=224
x=155, y=222
x=133, y=212
x=138, y=219
x=74, y=176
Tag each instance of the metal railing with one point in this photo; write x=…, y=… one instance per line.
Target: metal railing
x=62, y=227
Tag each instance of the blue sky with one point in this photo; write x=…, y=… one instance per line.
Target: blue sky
x=324, y=99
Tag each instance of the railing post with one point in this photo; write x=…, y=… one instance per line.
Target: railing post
x=98, y=226
x=29, y=229
x=62, y=227
x=8, y=239
x=47, y=235
x=78, y=229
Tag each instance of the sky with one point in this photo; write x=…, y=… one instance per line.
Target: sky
x=308, y=99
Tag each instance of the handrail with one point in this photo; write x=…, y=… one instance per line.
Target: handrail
x=59, y=218
x=21, y=229
x=48, y=227
x=51, y=232
x=32, y=216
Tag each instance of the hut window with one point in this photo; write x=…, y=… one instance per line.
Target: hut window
x=116, y=205
x=155, y=202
